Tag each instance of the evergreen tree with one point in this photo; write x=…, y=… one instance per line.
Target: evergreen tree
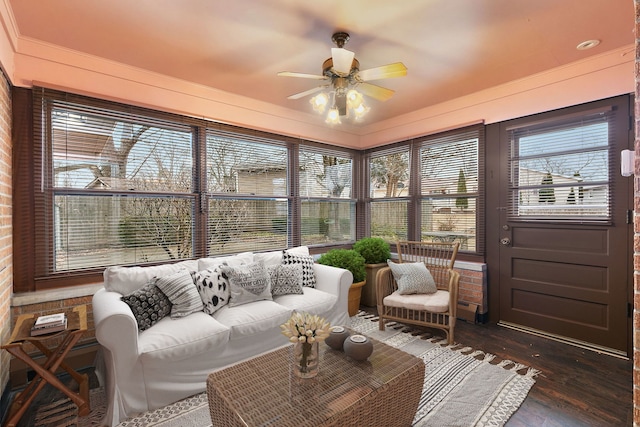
x=462, y=202
x=547, y=195
x=571, y=198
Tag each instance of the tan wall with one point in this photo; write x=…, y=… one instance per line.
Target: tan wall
x=6, y=232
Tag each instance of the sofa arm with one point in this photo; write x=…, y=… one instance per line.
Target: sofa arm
x=116, y=328
x=333, y=280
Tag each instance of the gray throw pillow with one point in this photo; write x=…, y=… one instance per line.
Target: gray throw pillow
x=182, y=293
x=248, y=283
x=148, y=305
x=412, y=278
x=285, y=279
x=308, y=274
x=213, y=287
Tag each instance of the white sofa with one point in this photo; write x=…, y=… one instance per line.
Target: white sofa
x=146, y=370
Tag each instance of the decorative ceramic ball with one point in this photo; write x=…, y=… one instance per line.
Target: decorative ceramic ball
x=358, y=347
x=336, y=337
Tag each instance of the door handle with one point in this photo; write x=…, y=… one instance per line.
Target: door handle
x=505, y=241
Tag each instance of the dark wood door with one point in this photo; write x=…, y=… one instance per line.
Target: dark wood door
x=563, y=237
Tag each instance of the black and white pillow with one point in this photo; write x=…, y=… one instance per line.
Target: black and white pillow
x=148, y=305
x=308, y=274
x=248, y=283
x=213, y=287
x=285, y=279
x=182, y=293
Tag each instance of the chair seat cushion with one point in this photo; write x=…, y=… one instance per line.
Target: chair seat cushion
x=437, y=302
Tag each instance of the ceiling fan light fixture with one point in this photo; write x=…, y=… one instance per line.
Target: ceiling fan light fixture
x=342, y=60
x=354, y=98
x=360, y=111
x=319, y=102
x=343, y=75
x=333, y=116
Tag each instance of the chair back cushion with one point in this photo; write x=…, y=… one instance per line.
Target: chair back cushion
x=412, y=278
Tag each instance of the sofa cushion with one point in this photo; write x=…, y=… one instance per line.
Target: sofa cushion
x=275, y=257
x=213, y=287
x=232, y=260
x=252, y=318
x=177, y=339
x=125, y=280
x=308, y=274
x=285, y=279
x=182, y=293
x=313, y=301
x=148, y=305
x=247, y=283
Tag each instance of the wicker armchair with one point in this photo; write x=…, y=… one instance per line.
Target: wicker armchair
x=429, y=310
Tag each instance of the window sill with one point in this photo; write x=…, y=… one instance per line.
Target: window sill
x=27, y=298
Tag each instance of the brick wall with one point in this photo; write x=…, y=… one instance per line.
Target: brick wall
x=636, y=227
x=473, y=287
x=6, y=232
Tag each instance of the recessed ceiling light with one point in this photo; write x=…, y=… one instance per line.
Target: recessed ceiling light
x=588, y=44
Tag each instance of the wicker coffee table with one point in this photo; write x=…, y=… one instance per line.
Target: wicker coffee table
x=263, y=391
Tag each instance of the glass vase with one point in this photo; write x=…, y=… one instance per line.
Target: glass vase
x=305, y=359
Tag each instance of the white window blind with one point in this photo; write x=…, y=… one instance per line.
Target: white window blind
x=247, y=193
x=560, y=169
x=117, y=189
x=449, y=188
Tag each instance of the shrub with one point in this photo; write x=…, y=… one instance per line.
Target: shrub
x=374, y=250
x=348, y=259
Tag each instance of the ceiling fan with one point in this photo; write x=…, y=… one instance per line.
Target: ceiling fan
x=346, y=83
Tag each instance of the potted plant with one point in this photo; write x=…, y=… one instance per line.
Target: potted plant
x=375, y=251
x=351, y=260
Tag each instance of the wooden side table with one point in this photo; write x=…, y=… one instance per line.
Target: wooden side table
x=46, y=373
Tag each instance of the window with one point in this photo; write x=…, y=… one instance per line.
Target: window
x=389, y=194
x=120, y=188
x=449, y=177
x=247, y=201
x=429, y=189
x=111, y=184
x=559, y=170
x=327, y=207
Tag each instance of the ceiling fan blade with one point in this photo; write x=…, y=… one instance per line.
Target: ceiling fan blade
x=305, y=93
x=374, y=91
x=397, y=69
x=342, y=60
x=302, y=75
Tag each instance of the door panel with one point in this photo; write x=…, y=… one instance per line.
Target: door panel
x=561, y=275
x=566, y=281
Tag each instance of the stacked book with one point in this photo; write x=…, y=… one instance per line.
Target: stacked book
x=49, y=324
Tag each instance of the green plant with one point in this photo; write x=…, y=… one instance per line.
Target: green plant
x=374, y=250
x=348, y=259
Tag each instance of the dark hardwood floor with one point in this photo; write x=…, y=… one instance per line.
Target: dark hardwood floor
x=576, y=387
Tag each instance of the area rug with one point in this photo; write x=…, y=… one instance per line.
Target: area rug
x=462, y=386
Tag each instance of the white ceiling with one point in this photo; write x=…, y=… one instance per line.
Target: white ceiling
x=451, y=48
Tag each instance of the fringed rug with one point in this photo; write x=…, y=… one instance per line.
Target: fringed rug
x=462, y=386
